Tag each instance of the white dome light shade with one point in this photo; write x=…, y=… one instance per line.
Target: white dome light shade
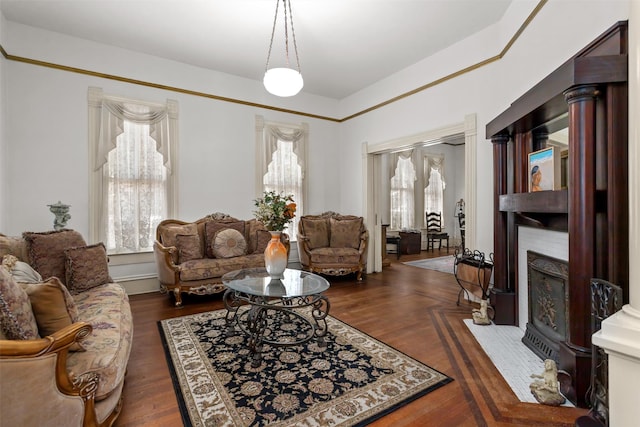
x=283, y=81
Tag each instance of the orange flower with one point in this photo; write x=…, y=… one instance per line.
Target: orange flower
x=290, y=210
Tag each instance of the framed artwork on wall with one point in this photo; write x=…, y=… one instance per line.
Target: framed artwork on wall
x=544, y=170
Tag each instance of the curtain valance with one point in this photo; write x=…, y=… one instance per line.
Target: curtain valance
x=107, y=115
x=436, y=163
x=272, y=133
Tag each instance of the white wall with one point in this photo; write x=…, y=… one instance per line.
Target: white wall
x=48, y=132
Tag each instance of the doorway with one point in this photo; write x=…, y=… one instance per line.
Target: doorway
x=376, y=167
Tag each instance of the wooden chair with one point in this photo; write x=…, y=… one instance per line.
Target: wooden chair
x=434, y=231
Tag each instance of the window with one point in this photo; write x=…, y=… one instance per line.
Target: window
x=402, y=194
x=136, y=189
x=132, y=144
x=282, y=157
x=435, y=185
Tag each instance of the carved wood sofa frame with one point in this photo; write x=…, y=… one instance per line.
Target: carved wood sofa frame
x=50, y=353
x=169, y=272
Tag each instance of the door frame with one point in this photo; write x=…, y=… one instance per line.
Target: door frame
x=373, y=220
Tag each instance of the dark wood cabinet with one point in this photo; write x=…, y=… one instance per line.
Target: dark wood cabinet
x=588, y=95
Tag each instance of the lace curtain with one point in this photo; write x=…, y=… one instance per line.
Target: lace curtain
x=402, y=191
x=131, y=149
x=282, y=154
x=434, y=184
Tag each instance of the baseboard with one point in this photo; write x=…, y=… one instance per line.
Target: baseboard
x=139, y=285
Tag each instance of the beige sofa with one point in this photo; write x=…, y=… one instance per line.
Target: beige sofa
x=65, y=340
x=192, y=257
x=333, y=244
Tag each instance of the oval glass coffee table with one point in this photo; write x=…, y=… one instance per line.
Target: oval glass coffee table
x=281, y=312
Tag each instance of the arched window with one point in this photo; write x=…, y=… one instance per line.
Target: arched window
x=282, y=158
x=133, y=146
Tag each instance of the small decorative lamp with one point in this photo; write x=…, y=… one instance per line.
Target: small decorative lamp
x=61, y=211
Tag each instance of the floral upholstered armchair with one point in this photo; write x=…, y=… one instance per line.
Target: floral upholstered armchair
x=333, y=244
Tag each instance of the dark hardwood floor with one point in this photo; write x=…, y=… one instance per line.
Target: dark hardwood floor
x=409, y=308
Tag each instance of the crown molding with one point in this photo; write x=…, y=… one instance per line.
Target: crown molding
x=422, y=88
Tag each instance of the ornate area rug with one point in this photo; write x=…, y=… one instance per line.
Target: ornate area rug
x=353, y=381
x=443, y=264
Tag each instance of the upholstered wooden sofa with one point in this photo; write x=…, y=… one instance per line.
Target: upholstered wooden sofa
x=192, y=257
x=333, y=244
x=65, y=340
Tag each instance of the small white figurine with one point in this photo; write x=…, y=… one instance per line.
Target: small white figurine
x=545, y=389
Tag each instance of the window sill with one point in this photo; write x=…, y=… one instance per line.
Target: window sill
x=131, y=258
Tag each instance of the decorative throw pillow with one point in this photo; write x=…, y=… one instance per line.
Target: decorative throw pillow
x=53, y=307
x=21, y=271
x=262, y=237
x=211, y=228
x=8, y=261
x=17, y=321
x=87, y=267
x=317, y=231
x=16, y=246
x=46, y=251
x=188, y=247
x=251, y=228
x=229, y=243
x=168, y=233
x=345, y=233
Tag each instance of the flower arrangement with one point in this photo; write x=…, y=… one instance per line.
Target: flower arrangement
x=275, y=210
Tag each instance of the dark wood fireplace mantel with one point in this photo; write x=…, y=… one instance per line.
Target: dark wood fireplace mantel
x=588, y=95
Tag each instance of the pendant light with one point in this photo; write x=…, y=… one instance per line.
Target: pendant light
x=283, y=81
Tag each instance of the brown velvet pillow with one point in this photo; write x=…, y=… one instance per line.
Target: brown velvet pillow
x=46, y=251
x=317, y=231
x=345, y=233
x=211, y=228
x=229, y=243
x=262, y=237
x=87, y=267
x=53, y=307
x=251, y=228
x=188, y=247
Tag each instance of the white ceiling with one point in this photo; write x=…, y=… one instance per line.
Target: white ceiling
x=343, y=45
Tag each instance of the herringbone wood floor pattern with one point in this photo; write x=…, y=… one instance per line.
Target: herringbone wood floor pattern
x=411, y=309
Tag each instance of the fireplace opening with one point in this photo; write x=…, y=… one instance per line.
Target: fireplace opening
x=548, y=308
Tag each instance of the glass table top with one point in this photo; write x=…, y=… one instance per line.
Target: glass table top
x=256, y=281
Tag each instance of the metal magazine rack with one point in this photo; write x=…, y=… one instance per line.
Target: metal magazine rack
x=473, y=272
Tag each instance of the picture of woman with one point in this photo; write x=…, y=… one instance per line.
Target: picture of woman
x=544, y=167
x=536, y=177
